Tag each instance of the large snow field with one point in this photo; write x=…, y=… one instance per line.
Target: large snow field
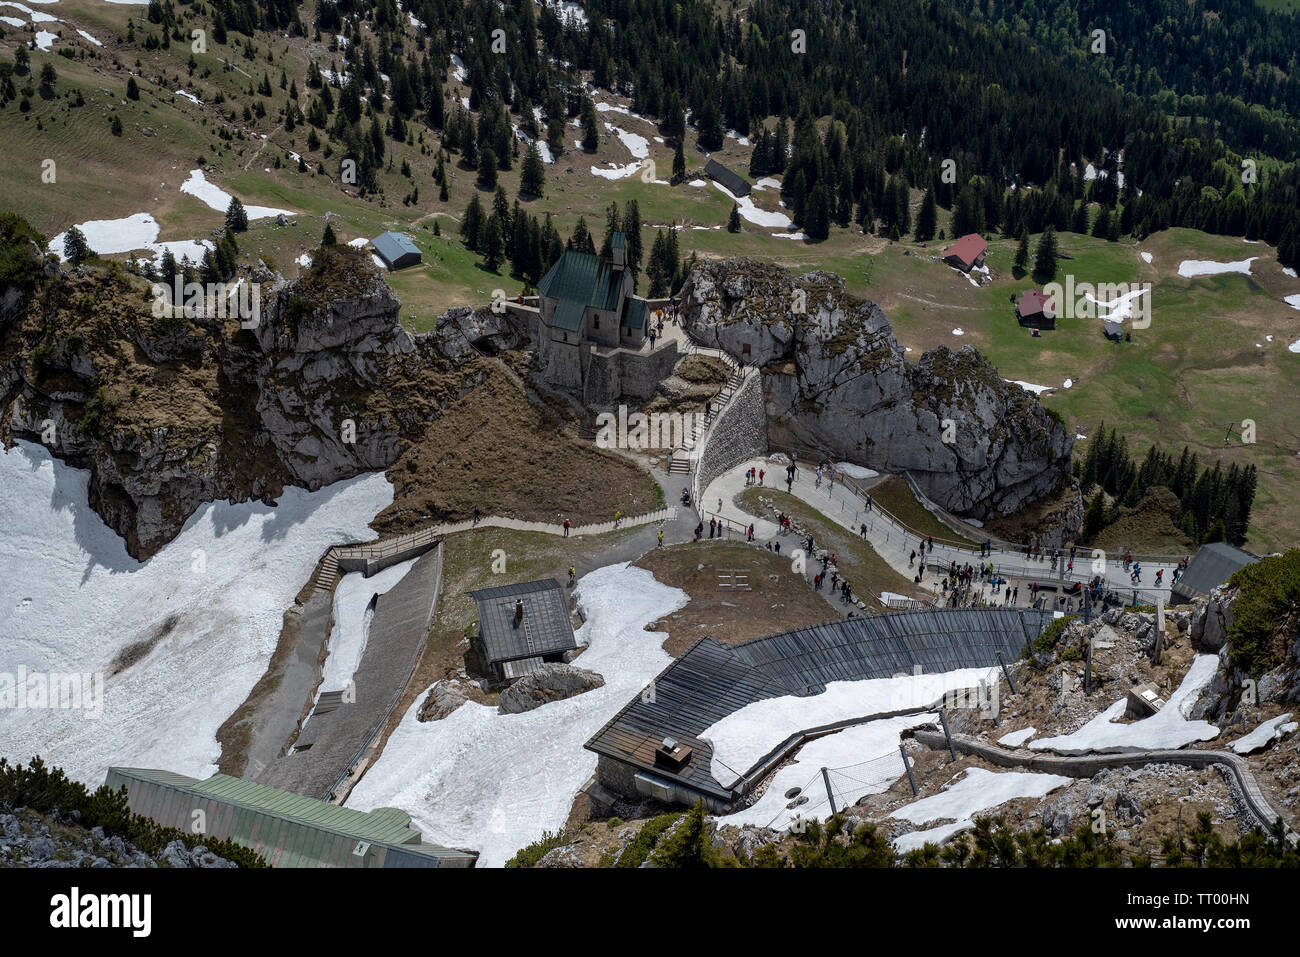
x=107, y=236
x=978, y=791
x=1167, y=728
x=71, y=599
x=743, y=737
x=863, y=759
x=495, y=782
x=213, y=196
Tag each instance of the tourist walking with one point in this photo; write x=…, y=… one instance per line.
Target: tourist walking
x=566, y=528
x=476, y=514
x=573, y=574
x=661, y=539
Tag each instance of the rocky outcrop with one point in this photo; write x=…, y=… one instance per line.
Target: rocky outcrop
x=550, y=682
x=168, y=413
x=28, y=839
x=443, y=698
x=836, y=379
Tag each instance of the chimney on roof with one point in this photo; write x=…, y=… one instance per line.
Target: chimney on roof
x=519, y=611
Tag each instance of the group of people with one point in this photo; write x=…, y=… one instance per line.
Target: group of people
x=755, y=476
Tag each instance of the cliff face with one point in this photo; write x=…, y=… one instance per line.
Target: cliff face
x=169, y=413
x=836, y=379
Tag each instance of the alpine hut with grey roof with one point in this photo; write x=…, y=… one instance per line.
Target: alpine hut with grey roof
x=520, y=627
x=654, y=747
x=396, y=250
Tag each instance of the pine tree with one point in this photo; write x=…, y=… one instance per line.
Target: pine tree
x=76, y=249
x=132, y=89
x=532, y=175
x=679, y=161
x=1022, y=257
x=487, y=168
x=1045, y=259
x=927, y=221
x=471, y=224
x=1094, y=519
x=733, y=221
x=590, y=131
x=581, y=240
x=236, y=218
x=493, y=243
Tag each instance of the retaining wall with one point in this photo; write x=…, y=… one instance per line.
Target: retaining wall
x=737, y=434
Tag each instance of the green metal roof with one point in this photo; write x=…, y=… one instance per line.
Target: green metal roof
x=568, y=315
x=386, y=824
x=636, y=309
x=618, y=240
x=582, y=278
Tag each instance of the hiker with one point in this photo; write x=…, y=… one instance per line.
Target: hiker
x=761, y=473
x=719, y=506
x=1160, y=574
x=566, y=528
x=776, y=547
x=661, y=539
x=573, y=574
x=817, y=581
x=749, y=534
x=618, y=517
x=835, y=576
x=863, y=529
x=686, y=496
x=818, y=483
x=1015, y=595
x=930, y=543
x=519, y=612
x=788, y=483
x=713, y=525
x=911, y=559
x=699, y=530
x=476, y=514
x=708, y=408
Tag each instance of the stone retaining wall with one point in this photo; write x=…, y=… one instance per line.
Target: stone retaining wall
x=738, y=433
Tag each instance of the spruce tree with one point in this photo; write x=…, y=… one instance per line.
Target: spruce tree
x=1022, y=254
x=733, y=221
x=927, y=221
x=532, y=176
x=1045, y=259
x=236, y=218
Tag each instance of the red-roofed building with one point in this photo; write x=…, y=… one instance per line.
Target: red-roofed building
x=1035, y=309
x=966, y=253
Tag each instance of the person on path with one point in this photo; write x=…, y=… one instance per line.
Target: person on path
x=911, y=559
x=776, y=547
x=750, y=534
x=566, y=528
x=818, y=483
x=618, y=518
x=573, y=574
x=761, y=473
x=817, y=581
x=788, y=486
x=708, y=408
x=477, y=513
x=863, y=529
x=719, y=506
x=661, y=539
x=930, y=543
x=712, y=527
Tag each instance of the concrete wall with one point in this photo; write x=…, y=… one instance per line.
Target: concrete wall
x=738, y=433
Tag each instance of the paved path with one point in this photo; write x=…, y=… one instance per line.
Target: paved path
x=895, y=542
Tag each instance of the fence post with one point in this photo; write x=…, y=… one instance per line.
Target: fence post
x=943, y=719
x=1007, y=674
x=911, y=779
x=830, y=796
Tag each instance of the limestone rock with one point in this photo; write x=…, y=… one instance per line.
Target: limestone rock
x=550, y=682
x=836, y=379
x=443, y=698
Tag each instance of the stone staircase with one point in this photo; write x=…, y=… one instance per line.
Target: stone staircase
x=684, y=458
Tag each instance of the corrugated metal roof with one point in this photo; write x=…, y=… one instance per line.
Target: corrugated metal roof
x=1212, y=565
x=712, y=680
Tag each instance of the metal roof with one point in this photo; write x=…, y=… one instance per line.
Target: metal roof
x=251, y=810
x=735, y=183
x=712, y=680
x=582, y=278
x=545, y=630
x=635, y=314
x=1212, y=565
x=568, y=315
x=393, y=246
x=967, y=249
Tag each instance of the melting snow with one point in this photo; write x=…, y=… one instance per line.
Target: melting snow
x=1145, y=256
x=45, y=39
x=1203, y=267
x=978, y=791
x=856, y=471
x=751, y=213
x=1265, y=734
x=1293, y=301
x=1016, y=738
x=87, y=36
x=1167, y=728
x=193, y=99
x=495, y=782
x=217, y=198
x=213, y=600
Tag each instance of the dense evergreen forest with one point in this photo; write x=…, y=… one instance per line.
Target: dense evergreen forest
x=1012, y=92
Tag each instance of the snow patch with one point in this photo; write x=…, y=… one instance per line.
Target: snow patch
x=1204, y=267
x=214, y=197
x=1265, y=734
